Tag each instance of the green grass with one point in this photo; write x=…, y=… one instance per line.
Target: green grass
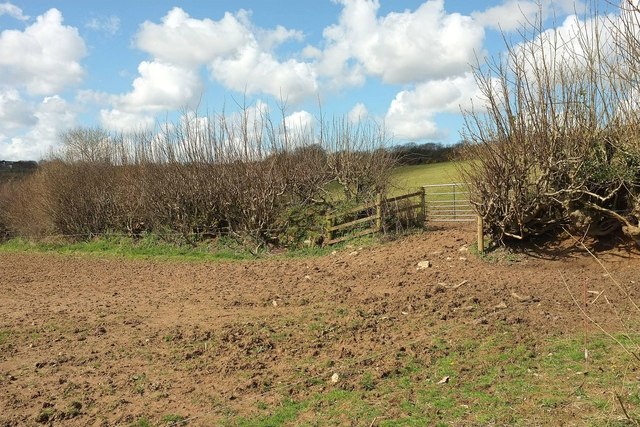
x=287, y=411
x=153, y=247
x=405, y=179
x=141, y=422
x=46, y=415
x=492, y=381
x=408, y=178
x=4, y=336
x=150, y=246
x=174, y=420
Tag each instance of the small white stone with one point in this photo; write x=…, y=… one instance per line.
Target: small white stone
x=423, y=264
x=334, y=378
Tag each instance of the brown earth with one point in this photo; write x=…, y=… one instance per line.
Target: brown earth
x=105, y=341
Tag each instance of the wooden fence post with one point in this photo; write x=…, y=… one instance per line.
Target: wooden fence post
x=331, y=220
x=480, y=235
x=423, y=206
x=378, y=212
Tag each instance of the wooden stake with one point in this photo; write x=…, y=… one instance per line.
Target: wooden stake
x=480, y=235
x=331, y=220
x=586, y=325
x=423, y=206
x=379, y=212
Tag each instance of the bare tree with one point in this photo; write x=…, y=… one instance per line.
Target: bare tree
x=558, y=142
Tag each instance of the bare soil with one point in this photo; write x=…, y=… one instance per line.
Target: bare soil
x=106, y=341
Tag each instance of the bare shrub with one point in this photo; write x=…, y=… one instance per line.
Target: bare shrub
x=86, y=145
x=239, y=175
x=559, y=142
x=309, y=174
x=7, y=191
x=357, y=160
x=26, y=211
x=81, y=197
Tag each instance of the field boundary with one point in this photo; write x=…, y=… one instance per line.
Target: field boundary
x=449, y=202
x=432, y=203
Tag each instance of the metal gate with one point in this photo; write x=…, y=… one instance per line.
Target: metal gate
x=448, y=203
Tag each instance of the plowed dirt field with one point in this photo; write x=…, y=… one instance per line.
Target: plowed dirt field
x=97, y=341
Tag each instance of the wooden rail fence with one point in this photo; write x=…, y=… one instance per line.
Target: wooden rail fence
x=434, y=203
x=372, y=215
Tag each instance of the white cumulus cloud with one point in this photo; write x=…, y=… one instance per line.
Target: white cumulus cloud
x=160, y=87
x=570, y=46
x=511, y=15
x=272, y=38
x=44, y=58
x=358, y=113
x=300, y=127
x=300, y=123
x=411, y=115
x=255, y=71
x=126, y=121
x=36, y=64
x=15, y=112
x=401, y=47
x=237, y=54
x=180, y=39
x=47, y=120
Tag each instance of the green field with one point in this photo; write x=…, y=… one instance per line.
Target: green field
x=408, y=178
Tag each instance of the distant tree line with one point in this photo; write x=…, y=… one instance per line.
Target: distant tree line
x=18, y=166
x=410, y=153
x=11, y=170
x=420, y=154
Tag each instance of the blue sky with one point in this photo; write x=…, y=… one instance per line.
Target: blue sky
x=127, y=65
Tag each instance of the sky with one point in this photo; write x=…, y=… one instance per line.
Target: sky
x=128, y=65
